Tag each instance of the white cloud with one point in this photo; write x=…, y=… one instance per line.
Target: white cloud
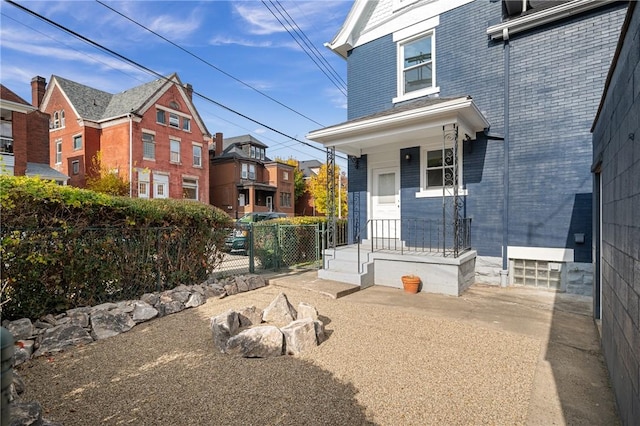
x=336, y=97
x=221, y=40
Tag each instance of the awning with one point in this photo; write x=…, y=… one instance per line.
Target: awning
x=409, y=121
x=256, y=185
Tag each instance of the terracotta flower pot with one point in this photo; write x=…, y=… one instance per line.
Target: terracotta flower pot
x=411, y=283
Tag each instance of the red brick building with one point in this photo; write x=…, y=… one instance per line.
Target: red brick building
x=244, y=180
x=151, y=135
x=24, y=139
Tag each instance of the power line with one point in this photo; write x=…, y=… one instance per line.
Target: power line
x=154, y=73
x=305, y=50
x=310, y=44
x=209, y=63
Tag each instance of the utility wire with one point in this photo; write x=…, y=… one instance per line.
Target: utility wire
x=208, y=63
x=305, y=50
x=155, y=73
x=310, y=44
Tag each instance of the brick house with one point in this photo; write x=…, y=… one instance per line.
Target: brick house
x=24, y=139
x=244, y=180
x=151, y=135
x=476, y=122
x=616, y=208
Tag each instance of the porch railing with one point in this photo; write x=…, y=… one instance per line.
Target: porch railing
x=415, y=236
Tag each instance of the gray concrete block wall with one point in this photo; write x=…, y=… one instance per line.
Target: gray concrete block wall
x=616, y=144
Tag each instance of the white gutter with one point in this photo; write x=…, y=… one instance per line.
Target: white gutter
x=536, y=19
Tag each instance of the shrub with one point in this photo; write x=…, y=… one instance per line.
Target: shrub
x=65, y=247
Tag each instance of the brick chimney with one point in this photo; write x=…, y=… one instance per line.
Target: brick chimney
x=38, y=87
x=189, y=89
x=218, y=140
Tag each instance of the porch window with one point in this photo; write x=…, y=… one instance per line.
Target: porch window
x=438, y=170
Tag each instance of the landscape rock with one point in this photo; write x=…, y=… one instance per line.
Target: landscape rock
x=110, y=323
x=104, y=307
x=231, y=289
x=171, y=307
x=250, y=315
x=61, y=337
x=259, y=342
x=181, y=296
x=279, y=312
x=126, y=306
x=79, y=318
x=306, y=310
x=255, y=281
x=224, y=326
x=50, y=319
x=300, y=336
x=321, y=335
x=26, y=413
x=195, y=299
x=22, y=351
x=21, y=329
x=241, y=284
x=214, y=290
x=142, y=311
x=150, y=298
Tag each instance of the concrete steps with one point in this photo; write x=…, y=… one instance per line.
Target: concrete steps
x=341, y=265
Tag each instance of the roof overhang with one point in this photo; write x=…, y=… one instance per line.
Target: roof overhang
x=257, y=185
x=407, y=126
x=17, y=107
x=545, y=16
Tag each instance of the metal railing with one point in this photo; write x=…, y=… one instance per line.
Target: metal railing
x=415, y=236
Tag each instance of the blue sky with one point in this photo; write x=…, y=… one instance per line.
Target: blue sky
x=242, y=38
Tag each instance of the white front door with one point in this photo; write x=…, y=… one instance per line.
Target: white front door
x=385, y=202
x=160, y=186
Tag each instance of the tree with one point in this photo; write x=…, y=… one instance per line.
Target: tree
x=298, y=177
x=103, y=179
x=318, y=189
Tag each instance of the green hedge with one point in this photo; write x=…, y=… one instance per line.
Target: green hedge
x=64, y=247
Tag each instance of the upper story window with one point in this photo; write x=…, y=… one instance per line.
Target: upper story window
x=253, y=151
x=174, y=120
x=174, y=154
x=417, y=64
x=197, y=156
x=148, y=146
x=186, y=124
x=58, y=151
x=248, y=171
x=161, y=117
x=6, y=132
x=77, y=142
x=57, y=120
x=285, y=175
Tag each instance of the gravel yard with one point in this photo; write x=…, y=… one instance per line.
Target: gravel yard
x=384, y=365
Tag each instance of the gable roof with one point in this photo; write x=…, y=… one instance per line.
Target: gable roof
x=307, y=166
x=13, y=102
x=99, y=106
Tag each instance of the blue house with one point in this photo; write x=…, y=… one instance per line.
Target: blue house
x=468, y=136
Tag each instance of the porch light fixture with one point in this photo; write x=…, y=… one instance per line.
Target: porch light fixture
x=355, y=161
x=407, y=157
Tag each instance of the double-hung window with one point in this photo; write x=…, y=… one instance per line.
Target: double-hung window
x=148, y=146
x=197, y=156
x=174, y=120
x=58, y=151
x=248, y=171
x=161, y=116
x=189, y=188
x=416, y=69
x=440, y=169
x=77, y=142
x=285, y=199
x=174, y=155
x=186, y=124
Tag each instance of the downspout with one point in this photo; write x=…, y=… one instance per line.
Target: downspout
x=504, y=273
x=130, y=155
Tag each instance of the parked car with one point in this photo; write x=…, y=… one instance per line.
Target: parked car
x=238, y=240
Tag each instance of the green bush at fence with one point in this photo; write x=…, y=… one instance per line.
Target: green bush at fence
x=65, y=247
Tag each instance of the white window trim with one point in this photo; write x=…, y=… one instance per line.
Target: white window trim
x=155, y=144
x=400, y=64
x=177, y=124
x=437, y=192
x=59, y=151
x=193, y=145
x=144, y=178
x=197, y=186
x=171, y=151
x=244, y=174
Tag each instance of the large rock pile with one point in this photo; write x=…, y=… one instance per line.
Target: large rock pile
x=55, y=333
x=277, y=330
